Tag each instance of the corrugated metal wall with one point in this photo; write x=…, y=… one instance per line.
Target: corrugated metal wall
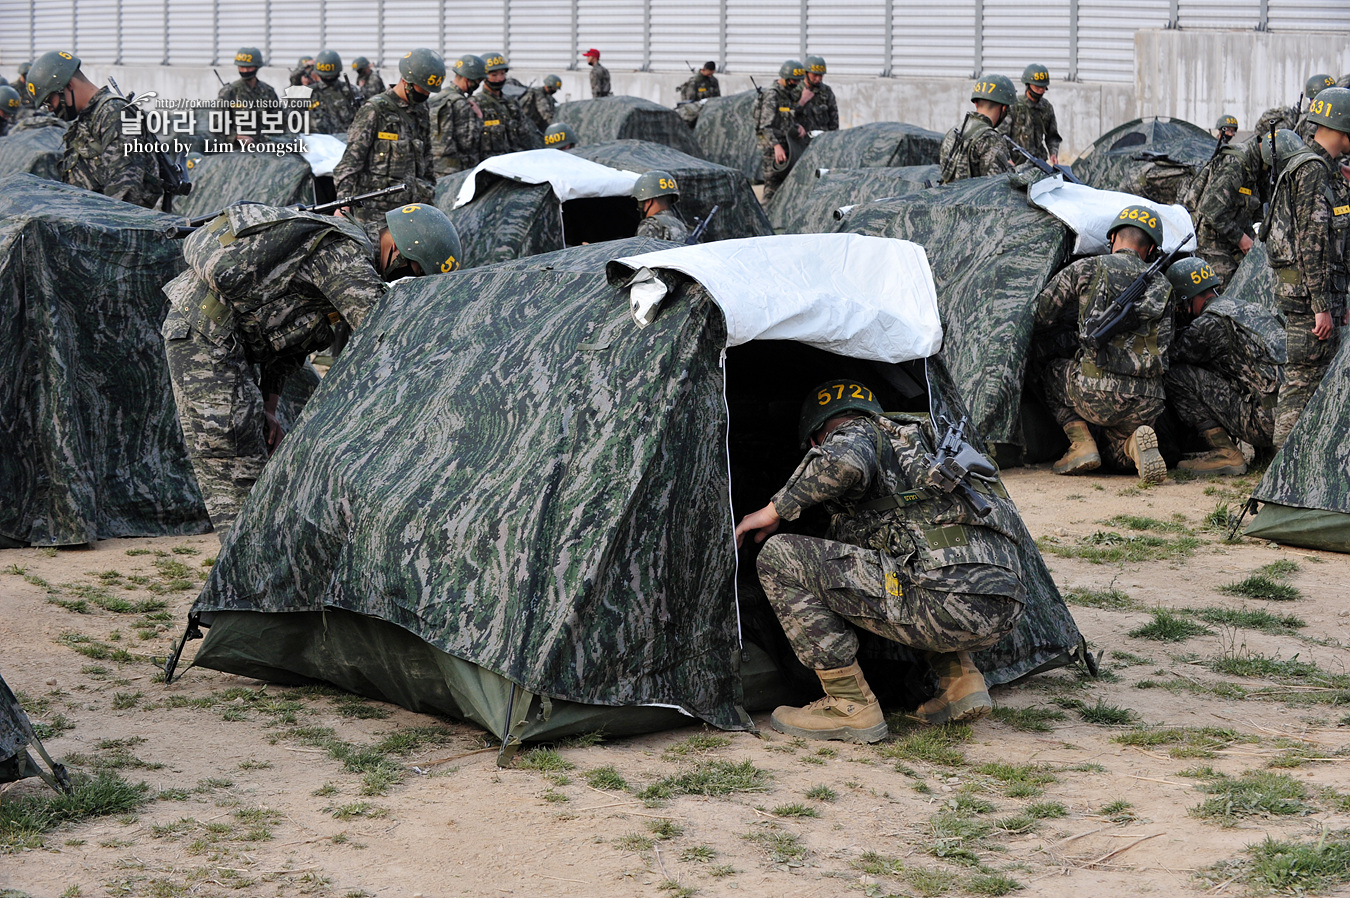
x=934, y=38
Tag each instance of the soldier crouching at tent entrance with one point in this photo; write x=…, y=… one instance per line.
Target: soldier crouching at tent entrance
x=97, y=156
x=917, y=566
x=266, y=286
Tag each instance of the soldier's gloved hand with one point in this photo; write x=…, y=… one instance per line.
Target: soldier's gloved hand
x=764, y=522
x=779, y=154
x=1322, y=325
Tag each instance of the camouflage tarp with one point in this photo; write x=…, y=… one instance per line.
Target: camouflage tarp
x=1152, y=157
x=1306, y=489
x=874, y=145
x=991, y=253
x=726, y=133
x=506, y=220
x=817, y=211
x=547, y=507
x=223, y=179
x=1254, y=281
x=35, y=151
x=90, y=446
x=627, y=118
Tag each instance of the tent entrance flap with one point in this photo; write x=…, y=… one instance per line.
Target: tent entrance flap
x=1311, y=528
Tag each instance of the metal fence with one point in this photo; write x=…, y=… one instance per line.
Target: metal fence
x=1079, y=40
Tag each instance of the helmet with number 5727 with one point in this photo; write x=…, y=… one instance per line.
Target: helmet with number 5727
x=831, y=398
x=1141, y=217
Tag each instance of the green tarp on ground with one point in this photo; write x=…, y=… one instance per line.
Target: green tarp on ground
x=505, y=467
x=991, y=253
x=818, y=211
x=627, y=118
x=1155, y=158
x=34, y=151
x=726, y=133
x=90, y=446
x=874, y=145
x=1306, y=489
x=223, y=179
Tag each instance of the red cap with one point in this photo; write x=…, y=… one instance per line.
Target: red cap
x=592, y=52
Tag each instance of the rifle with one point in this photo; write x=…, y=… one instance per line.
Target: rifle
x=1270, y=184
x=701, y=228
x=356, y=92
x=218, y=78
x=316, y=208
x=1062, y=170
x=1119, y=314
x=956, y=462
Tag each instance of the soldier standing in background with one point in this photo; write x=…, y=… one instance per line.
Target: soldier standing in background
x=1305, y=232
x=656, y=192
x=1305, y=126
x=10, y=105
x=817, y=109
x=368, y=80
x=1225, y=200
x=389, y=142
x=1227, y=126
x=975, y=148
x=96, y=156
x=599, y=74
x=701, y=85
x=21, y=84
x=264, y=287
x=776, y=125
x=1031, y=120
x=929, y=574
x=303, y=73
x=538, y=103
x=248, y=92
x=457, y=120
x=503, y=120
x=1118, y=387
x=559, y=137
x=333, y=103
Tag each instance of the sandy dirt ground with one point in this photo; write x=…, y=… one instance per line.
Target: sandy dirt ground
x=1155, y=778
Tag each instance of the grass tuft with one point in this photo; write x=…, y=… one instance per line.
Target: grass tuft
x=1262, y=586
x=1111, y=599
x=935, y=745
x=1254, y=794
x=1186, y=742
x=782, y=847
x=1028, y=720
x=544, y=760
x=710, y=778
x=25, y=819
x=607, y=777
x=697, y=744
x=796, y=809
x=1108, y=546
x=821, y=793
x=1168, y=626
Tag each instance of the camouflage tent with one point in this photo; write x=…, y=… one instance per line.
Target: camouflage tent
x=543, y=543
x=1152, y=157
x=874, y=145
x=1306, y=489
x=90, y=446
x=627, y=118
x=16, y=735
x=34, y=150
x=508, y=219
x=843, y=188
x=991, y=254
x=1254, y=281
x=726, y=133
x=222, y=179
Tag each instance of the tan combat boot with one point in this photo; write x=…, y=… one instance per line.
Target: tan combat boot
x=1082, y=455
x=1142, y=448
x=1226, y=459
x=849, y=710
x=962, y=694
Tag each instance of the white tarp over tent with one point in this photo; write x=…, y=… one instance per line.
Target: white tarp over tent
x=1089, y=212
x=571, y=177
x=853, y=295
x=323, y=152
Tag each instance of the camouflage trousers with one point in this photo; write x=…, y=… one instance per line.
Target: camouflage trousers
x=819, y=587
x=220, y=409
x=1223, y=263
x=1307, y=361
x=1204, y=400
x=772, y=179
x=1116, y=414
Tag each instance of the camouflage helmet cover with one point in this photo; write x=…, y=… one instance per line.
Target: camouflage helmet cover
x=9, y=100
x=652, y=184
x=425, y=235
x=424, y=68
x=829, y=399
x=50, y=74
x=246, y=57
x=815, y=65
x=495, y=62
x=1192, y=276
x=559, y=137
x=1331, y=108
x=470, y=67
x=1316, y=84
x=360, y=63
x=328, y=64
x=1036, y=74
x=792, y=69
x=995, y=89
x=1141, y=217
x=1226, y=121
x=552, y=82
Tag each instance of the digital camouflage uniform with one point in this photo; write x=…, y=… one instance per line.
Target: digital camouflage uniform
x=539, y=106
x=1222, y=371
x=332, y=107
x=1121, y=387
x=821, y=112
x=264, y=288
x=95, y=157
x=928, y=574
x=503, y=124
x=698, y=87
x=370, y=85
x=664, y=225
x=1033, y=125
x=1228, y=193
x=775, y=118
x=388, y=143
x=456, y=131
x=258, y=96
x=599, y=81
x=1307, y=241
x=973, y=150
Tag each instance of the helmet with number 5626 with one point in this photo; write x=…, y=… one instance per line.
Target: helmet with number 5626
x=1141, y=217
